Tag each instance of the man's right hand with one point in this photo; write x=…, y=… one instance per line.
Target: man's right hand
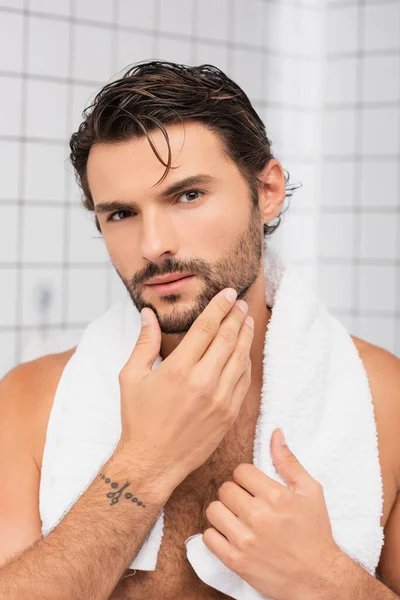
x=176, y=415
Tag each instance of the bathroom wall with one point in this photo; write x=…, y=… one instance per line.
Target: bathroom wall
x=359, y=231
x=296, y=62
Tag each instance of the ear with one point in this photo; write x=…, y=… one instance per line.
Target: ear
x=272, y=193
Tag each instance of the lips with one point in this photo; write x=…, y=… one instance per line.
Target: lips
x=169, y=279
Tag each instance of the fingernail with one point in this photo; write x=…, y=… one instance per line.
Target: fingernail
x=281, y=437
x=231, y=294
x=250, y=321
x=145, y=317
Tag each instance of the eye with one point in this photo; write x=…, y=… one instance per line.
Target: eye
x=192, y=200
x=118, y=212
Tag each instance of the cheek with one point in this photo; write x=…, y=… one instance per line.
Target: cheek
x=215, y=221
x=122, y=249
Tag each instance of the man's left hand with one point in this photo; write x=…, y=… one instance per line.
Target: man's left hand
x=276, y=538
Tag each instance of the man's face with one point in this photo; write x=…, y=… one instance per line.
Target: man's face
x=209, y=229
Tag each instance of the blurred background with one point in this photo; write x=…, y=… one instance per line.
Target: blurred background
x=323, y=75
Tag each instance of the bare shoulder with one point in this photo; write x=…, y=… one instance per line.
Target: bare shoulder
x=26, y=396
x=383, y=371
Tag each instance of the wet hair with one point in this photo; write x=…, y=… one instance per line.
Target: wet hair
x=153, y=94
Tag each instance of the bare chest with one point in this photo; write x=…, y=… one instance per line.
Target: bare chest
x=185, y=515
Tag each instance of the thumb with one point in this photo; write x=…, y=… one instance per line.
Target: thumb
x=287, y=464
x=148, y=343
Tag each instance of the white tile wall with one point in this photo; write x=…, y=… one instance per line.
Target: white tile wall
x=379, y=131
x=49, y=340
x=61, y=7
x=336, y=235
x=306, y=132
x=9, y=219
x=278, y=77
x=359, y=184
x=381, y=78
x=8, y=345
x=87, y=293
x=217, y=27
x=12, y=3
x=8, y=313
x=378, y=183
x=377, y=287
x=46, y=115
x=248, y=16
x=42, y=228
x=300, y=235
x=207, y=54
x=176, y=16
x=378, y=236
x=9, y=159
x=341, y=29
x=340, y=81
x=134, y=46
x=377, y=330
x=175, y=50
x=303, y=90
x=304, y=198
x=116, y=288
x=382, y=26
x=10, y=106
x=248, y=79
x=11, y=41
x=82, y=96
x=93, y=10
x=130, y=14
x=36, y=284
x=44, y=171
x=338, y=183
x=92, y=55
x=338, y=141
x=281, y=25
x=87, y=245
x=335, y=284
x=48, y=46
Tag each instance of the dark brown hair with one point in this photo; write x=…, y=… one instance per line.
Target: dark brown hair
x=152, y=94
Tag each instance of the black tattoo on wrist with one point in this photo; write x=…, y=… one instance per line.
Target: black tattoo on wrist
x=115, y=496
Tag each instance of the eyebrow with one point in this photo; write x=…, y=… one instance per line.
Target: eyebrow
x=174, y=188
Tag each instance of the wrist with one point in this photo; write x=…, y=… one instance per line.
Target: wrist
x=339, y=580
x=154, y=482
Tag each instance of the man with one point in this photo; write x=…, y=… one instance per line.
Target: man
x=217, y=146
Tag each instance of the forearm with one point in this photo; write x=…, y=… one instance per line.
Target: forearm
x=350, y=581
x=86, y=553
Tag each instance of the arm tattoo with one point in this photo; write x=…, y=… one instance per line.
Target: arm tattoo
x=115, y=496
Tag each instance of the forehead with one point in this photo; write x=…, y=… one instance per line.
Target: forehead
x=194, y=149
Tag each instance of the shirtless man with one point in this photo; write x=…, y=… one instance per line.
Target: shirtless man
x=132, y=243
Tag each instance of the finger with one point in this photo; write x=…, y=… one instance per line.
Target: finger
x=217, y=544
x=289, y=467
x=255, y=481
x=238, y=364
x=202, y=332
x=222, y=519
x=239, y=393
x=227, y=341
x=147, y=346
x=234, y=497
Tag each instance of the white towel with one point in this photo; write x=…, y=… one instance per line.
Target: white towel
x=314, y=387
